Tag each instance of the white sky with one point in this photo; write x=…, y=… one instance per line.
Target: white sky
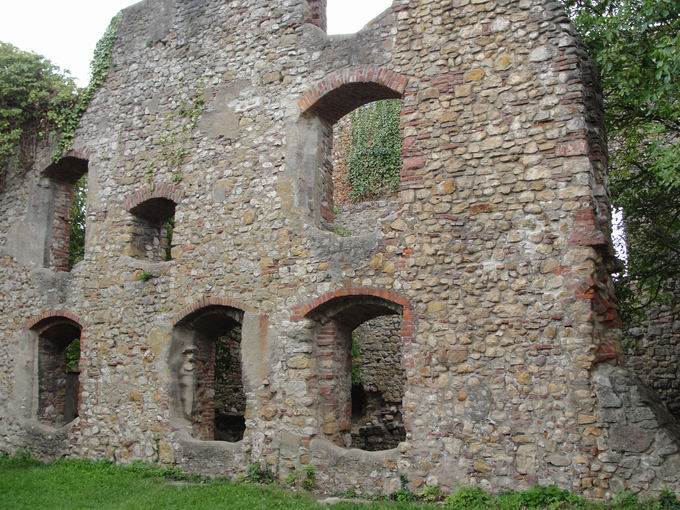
x=66, y=31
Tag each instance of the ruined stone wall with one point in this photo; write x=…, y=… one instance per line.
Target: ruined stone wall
x=655, y=353
x=380, y=361
x=495, y=249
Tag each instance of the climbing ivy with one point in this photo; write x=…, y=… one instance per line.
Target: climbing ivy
x=177, y=128
x=37, y=98
x=68, y=121
x=374, y=155
x=34, y=96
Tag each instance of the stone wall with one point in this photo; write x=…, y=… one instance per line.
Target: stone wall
x=495, y=252
x=381, y=365
x=377, y=421
x=655, y=353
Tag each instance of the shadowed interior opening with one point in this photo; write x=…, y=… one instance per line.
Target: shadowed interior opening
x=152, y=227
x=360, y=372
x=68, y=206
x=210, y=396
x=58, y=374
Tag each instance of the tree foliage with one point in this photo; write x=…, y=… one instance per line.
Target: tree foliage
x=374, y=155
x=636, y=44
x=76, y=241
x=34, y=96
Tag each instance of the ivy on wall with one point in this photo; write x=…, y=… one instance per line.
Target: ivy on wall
x=374, y=155
x=99, y=67
x=37, y=99
x=34, y=96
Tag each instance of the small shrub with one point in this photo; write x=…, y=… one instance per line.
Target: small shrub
x=350, y=494
x=669, y=501
x=469, y=498
x=291, y=479
x=626, y=501
x=144, y=276
x=547, y=497
x=403, y=494
x=342, y=231
x=257, y=473
x=309, y=482
x=431, y=494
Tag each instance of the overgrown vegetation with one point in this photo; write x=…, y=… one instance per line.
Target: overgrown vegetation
x=636, y=44
x=35, y=97
x=258, y=473
x=374, y=154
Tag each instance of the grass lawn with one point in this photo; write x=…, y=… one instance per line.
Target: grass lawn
x=78, y=484
x=74, y=484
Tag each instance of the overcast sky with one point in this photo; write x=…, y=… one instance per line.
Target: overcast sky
x=66, y=31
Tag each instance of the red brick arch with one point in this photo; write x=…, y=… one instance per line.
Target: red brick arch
x=165, y=190
x=344, y=91
x=207, y=301
x=50, y=314
x=303, y=311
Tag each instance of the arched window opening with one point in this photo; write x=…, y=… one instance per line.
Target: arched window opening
x=58, y=373
x=358, y=157
x=208, y=391
x=153, y=223
x=68, y=208
x=360, y=372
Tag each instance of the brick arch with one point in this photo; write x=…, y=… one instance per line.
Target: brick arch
x=341, y=92
x=336, y=314
x=52, y=314
x=306, y=310
x=210, y=301
x=165, y=191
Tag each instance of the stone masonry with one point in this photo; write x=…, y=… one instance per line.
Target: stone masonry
x=495, y=253
x=656, y=351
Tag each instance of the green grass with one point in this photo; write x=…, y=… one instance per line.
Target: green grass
x=79, y=484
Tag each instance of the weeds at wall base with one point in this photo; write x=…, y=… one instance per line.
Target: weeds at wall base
x=431, y=496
